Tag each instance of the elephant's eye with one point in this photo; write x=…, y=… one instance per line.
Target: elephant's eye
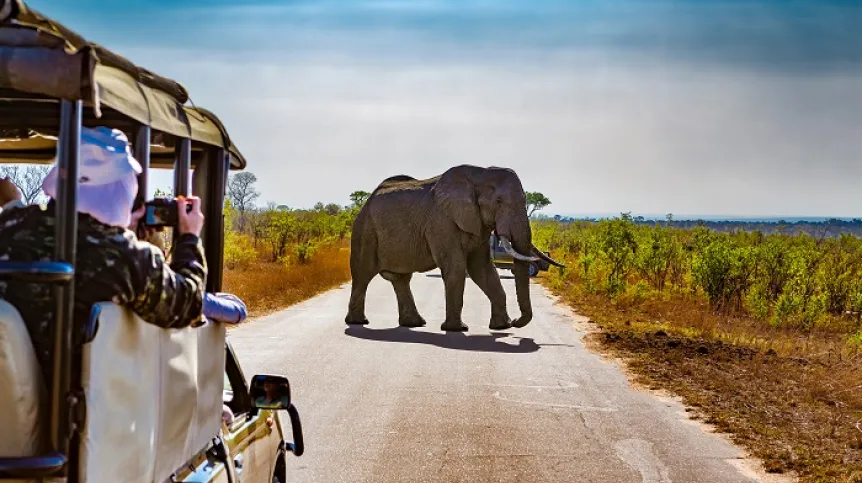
x=500, y=201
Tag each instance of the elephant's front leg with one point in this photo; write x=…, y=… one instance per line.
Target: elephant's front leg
x=453, y=281
x=484, y=274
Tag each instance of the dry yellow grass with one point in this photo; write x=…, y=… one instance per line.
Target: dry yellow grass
x=791, y=397
x=267, y=287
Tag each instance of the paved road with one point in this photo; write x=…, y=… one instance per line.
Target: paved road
x=385, y=404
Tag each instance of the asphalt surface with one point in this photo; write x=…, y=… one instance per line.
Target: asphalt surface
x=386, y=404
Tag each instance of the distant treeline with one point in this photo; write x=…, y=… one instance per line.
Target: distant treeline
x=827, y=228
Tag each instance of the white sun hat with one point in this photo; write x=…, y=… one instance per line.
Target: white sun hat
x=107, y=176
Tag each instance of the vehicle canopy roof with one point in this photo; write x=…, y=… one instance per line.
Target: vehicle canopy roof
x=44, y=61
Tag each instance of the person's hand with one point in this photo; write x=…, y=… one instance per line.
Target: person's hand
x=191, y=222
x=135, y=220
x=144, y=232
x=9, y=192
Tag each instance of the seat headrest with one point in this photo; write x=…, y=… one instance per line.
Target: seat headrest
x=22, y=390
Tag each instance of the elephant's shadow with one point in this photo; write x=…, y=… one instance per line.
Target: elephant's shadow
x=450, y=340
x=437, y=275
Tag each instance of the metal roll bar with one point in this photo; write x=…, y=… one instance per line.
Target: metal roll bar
x=142, y=155
x=219, y=162
x=182, y=167
x=60, y=273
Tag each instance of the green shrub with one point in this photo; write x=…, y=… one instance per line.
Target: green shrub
x=794, y=280
x=617, y=243
x=725, y=273
x=304, y=252
x=239, y=252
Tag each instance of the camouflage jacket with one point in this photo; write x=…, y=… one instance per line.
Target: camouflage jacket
x=111, y=265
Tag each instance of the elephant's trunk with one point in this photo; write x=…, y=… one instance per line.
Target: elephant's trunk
x=541, y=254
x=521, y=270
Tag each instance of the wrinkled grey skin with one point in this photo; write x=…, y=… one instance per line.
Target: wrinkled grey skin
x=410, y=225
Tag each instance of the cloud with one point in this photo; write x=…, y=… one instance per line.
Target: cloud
x=593, y=134
x=723, y=107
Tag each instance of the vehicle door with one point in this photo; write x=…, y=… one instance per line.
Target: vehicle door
x=253, y=437
x=500, y=257
x=207, y=467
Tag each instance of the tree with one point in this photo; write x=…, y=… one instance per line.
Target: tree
x=241, y=192
x=332, y=209
x=28, y=179
x=359, y=197
x=535, y=202
x=279, y=228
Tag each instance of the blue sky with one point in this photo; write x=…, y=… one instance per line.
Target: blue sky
x=710, y=107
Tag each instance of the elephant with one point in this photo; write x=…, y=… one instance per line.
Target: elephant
x=409, y=225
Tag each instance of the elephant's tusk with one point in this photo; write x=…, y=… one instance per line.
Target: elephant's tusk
x=507, y=246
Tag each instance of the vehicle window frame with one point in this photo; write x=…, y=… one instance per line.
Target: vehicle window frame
x=240, y=403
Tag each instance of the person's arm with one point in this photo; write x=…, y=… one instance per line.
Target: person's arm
x=9, y=192
x=12, y=204
x=10, y=195
x=224, y=307
x=169, y=296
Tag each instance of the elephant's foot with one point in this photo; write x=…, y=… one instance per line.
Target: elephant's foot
x=351, y=320
x=500, y=323
x=411, y=321
x=456, y=326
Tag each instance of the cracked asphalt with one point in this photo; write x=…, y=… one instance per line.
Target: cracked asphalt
x=385, y=404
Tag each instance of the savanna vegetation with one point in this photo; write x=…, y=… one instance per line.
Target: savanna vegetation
x=276, y=255
x=756, y=326
x=760, y=332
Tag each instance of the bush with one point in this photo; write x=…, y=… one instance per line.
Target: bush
x=724, y=273
x=787, y=280
x=659, y=257
x=618, y=245
x=238, y=251
x=304, y=252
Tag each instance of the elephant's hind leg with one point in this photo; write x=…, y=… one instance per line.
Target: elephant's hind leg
x=408, y=316
x=356, y=309
x=363, y=266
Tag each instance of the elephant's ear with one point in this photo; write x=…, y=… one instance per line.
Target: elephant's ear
x=455, y=193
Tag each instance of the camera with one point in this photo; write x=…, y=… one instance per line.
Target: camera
x=162, y=212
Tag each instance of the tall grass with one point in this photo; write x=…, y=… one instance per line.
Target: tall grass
x=759, y=332
x=266, y=286
x=798, y=283
x=276, y=257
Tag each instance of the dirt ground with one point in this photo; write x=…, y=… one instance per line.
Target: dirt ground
x=801, y=415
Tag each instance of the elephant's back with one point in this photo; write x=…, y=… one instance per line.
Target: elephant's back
x=400, y=195
x=403, y=183
x=398, y=211
x=399, y=201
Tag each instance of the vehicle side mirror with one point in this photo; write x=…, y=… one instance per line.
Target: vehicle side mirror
x=270, y=392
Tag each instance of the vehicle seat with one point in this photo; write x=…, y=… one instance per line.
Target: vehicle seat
x=120, y=377
x=153, y=395
x=22, y=390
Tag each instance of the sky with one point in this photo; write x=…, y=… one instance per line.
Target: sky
x=733, y=107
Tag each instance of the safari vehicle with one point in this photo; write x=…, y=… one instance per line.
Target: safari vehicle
x=128, y=401
x=504, y=260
